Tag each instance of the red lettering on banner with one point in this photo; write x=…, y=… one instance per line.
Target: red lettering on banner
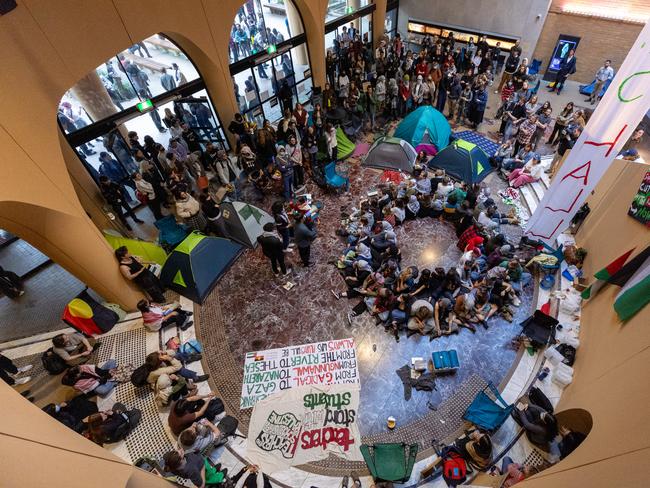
x=566, y=210
x=326, y=435
x=576, y=173
x=541, y=236
x=610, y=144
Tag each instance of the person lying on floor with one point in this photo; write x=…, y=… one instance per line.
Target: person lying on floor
x=156, y=317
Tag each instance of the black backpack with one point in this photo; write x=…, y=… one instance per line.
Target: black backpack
x=228, y=426
x=140, y=375
x=537, y=397
x=52, y=362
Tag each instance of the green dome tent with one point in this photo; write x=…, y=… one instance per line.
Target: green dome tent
x=463, y=160
x=195, y=265
x=425, y=126
x=392, y=154
x=345, y=145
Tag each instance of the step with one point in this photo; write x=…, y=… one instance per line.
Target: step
x=546, y=180
x=529, y=197
x=539, y=190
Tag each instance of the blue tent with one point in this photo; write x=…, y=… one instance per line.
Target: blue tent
x=425, y=125
x=194, y=266
x=463, y=160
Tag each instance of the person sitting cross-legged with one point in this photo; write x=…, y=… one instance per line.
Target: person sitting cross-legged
x=74, y=348
x=194, y=467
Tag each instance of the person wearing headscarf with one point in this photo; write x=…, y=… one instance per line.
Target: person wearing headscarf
x=418, y=91
x=363, y=253
x=285, y=165
x=412, y=207
x=399, y=212
x=380, y=93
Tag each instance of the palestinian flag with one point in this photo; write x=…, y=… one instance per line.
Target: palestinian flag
x=603, y=276
x=634, y=277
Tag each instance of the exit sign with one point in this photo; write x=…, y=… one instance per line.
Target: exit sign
x=145, y=106
x=349, y=9
x=272, y=49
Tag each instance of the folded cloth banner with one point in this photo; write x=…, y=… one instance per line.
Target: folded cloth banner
x=615, y=118
x=319, y=363
x=305, y=424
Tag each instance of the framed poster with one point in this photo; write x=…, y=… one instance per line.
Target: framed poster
x=640, y=207
x=562, y=47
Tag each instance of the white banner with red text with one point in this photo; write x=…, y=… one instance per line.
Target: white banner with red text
x=305, y=424
x=617, y=115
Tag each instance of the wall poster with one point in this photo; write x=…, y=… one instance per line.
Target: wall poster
x=640, y=208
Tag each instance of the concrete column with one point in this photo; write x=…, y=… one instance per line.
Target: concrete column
x=296, y=27
x=378, y=21
x=92, y=95
x=73, y=242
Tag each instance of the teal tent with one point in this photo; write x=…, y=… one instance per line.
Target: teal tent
x=463, y=160
x=425, y=126
x=195, y=265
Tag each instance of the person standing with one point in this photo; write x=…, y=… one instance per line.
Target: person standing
x=11, y=284
x=512, y=63
x=167, y=81
x=567, y=67
x=303, y=237
x=294, y=152
x=282, y=224
x=285, y=165
x=190, y=211
x=273, y=249
x=604, y=74
x=147, y=195
x=332, y=143
x=212, y=211
x=114, y=196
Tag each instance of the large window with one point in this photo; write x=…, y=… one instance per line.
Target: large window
x=391, y=22
x=346, y=28
x=149, y=68
x=260, y=24
x=267, y=79
x=340, y=8
x=98, y=112
x=260, y=89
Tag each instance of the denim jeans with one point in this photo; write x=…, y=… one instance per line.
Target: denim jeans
x=287, y=180
x=398, y=315
x=526, y=278
x=107, y=388
x=187, y=373
x=284, y=233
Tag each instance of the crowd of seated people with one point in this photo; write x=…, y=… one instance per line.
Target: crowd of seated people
x=487, y=280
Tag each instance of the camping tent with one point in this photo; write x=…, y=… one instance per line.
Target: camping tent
x=244, y=222
x=392, y=154
x=463, y=160
x=196, y=264
x=425, y=126
x=147, y=250
x=86, y=315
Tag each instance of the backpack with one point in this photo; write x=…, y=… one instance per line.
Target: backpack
x=454, y=467
x=140, y=375
x=537, y=397
x=191, y=347
x=228, y=426
x=52, y=362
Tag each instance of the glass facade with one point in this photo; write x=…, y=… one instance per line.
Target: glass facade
x=340, y=8
x=149, y=68
x=390, y=25
x=259, y=24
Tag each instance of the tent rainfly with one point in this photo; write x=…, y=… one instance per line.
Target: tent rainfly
x=463, y=160
x=244, y=222
x=195, y=265
x=425, y=126
x=391, y=154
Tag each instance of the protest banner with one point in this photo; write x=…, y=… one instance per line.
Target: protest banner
x=617, y=115
x=320, y=363
x=305, y=424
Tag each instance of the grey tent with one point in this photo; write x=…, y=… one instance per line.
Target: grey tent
x=244, y=222
x=392, y=154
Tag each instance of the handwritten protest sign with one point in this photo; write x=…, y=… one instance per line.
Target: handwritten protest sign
x=320, y=363
x=305, y=424
x=616, y=117
x=640, y=208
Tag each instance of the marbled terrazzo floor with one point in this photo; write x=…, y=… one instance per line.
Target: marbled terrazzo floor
x=259, y=314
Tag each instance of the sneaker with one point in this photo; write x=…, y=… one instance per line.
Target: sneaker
x=276, y=273
x=350, y=316
x=336, y=295
x=516, y=301
x=288, y=250
x=356, y=482
x=21, y=293
x=24, y=380
x=187, y=325
x=201, y=378
x=291, y=244
x=288, y=272
x=25, y=368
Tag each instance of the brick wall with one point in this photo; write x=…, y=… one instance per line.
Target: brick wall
x=600, y=39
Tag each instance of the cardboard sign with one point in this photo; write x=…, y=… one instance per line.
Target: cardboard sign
x=640, y=208
x=305, y=424
x=320, y=363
